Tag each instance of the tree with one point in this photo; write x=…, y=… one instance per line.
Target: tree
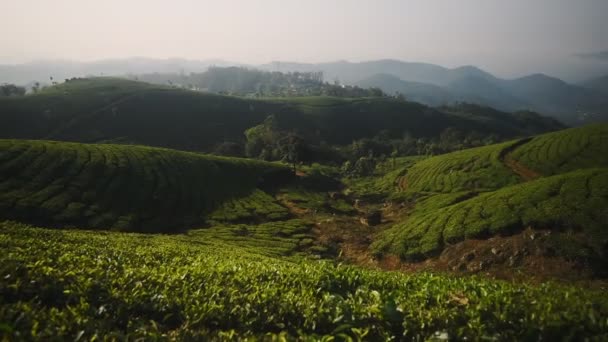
x=365, y=166
x=291, y=147
x=36, y=87
x=261, y=139
x=7, y=89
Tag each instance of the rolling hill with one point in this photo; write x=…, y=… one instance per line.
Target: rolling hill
x=131, y=188
x=556, y=182
x=118, y=110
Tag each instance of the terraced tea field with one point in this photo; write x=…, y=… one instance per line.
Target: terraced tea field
x=572, y=201
x=256, y=207
x=121, y=187
x=496, y=190
x=479, y=169
x=566, y=150
x=277, y=238
x=85, y=285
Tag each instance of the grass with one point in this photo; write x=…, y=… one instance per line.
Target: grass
x=566, y=150
x=79, y=285
x=575, y=201
x=121, y=187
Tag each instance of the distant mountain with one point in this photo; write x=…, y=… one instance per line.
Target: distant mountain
x=41, y=71
x=349, y=73
x=598, y=84
x=554, y=96
x=434, y=85
x=426, y=93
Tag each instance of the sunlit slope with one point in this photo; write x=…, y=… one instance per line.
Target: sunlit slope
x=472, y=169
x=566, y=150
x=110, y=109
x=556, y=181
x=122, y=187
x=491, y=167
x=576, y=200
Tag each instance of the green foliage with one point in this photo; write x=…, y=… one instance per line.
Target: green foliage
x=76, y=285
x=278, y=238
x=571, y=201
x=385, y=180
x=316, y=201
x=125, y=187
x=566, y=150
x=476, y=169
x=257, y=207
x=11, y=90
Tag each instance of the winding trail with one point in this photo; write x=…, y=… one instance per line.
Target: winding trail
x=525, y=173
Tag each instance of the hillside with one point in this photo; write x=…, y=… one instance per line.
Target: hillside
x=131, y=188
x=556, y=182
x=106, y=109
x=257, y=83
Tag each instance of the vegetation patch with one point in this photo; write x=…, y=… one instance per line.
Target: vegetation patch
x=576, y=200
x=566, y=150
x=68, y=285
x=478, y=169
x=256, y=207
x=280, y=238
x=122, y=187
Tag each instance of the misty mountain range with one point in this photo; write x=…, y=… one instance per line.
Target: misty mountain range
x=421, y=82
x=435, y=85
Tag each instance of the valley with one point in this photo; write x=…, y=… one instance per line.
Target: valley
x=137, y=211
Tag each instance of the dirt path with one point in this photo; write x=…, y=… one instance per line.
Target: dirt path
x=520, y=169
x=525, y=173
x=292, y=207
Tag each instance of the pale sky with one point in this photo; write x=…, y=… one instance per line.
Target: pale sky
x=506, y=37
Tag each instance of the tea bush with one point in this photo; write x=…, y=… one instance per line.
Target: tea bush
x=121, y=187
x=83, y=285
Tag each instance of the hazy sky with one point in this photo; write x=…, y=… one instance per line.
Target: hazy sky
x=507, y=37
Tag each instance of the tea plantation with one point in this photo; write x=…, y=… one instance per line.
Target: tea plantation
x=576, y=200
x=566, y=150
x=475, y=194
x=130, y=188
x=79, y=285
x=472, y=169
